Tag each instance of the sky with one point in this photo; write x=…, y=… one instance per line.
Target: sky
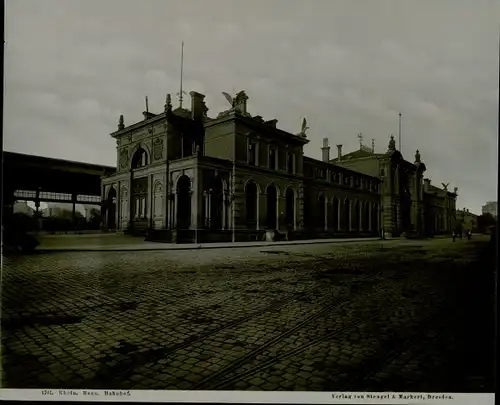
x=348, y=66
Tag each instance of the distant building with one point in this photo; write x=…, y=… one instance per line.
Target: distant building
x=490, y=207
x=467, y=220
x=58, y=209
x=89, y=211
x=236, y=176
x=22, y=207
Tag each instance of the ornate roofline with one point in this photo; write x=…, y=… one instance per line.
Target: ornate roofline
x=139, y=124
x=338, y=167
x=236, y=115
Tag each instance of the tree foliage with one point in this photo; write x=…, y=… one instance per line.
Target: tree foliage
x=485, y=221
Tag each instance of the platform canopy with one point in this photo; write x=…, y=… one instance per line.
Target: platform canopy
x=30, y=173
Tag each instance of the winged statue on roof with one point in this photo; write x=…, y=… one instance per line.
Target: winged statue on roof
x=228, y=98
x=304, y=126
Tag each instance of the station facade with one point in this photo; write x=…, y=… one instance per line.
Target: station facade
x=185, y=177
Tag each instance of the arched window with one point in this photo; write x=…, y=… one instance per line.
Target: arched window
x=335, y=214
x=355, y=216
x=140, y=159
x=375, y=214
x=321, y=211
x=183, y=202
x=365, y=219
x=346, y=215
x=272, y=211
x=290, y=208
x=272, y=158
x=251, y=205
x=216, y=203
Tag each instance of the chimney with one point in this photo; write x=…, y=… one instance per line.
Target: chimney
x=198, y=107
x=325, y=150
x=271, y=123
x=427, y=183
x=339, y=151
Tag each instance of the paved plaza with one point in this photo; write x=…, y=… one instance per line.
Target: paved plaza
x=395, y=315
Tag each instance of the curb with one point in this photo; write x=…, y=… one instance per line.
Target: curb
x=207, y=246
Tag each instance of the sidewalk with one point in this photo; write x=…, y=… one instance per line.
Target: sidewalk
x=155, y=246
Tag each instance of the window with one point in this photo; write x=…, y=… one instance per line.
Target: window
x=140, y=159
x=272, y=158
x=321, y=174
x=252, y=151
x=187, y=146
x=140, y=207
x=143, y=207
x=289, y=164
x=137, y=207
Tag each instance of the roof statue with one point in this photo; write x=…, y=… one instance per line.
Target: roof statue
x=121, y=125
x=360, y=137
x=417, y=157
x=240, y=96
x=228, y=98
x=455, y=190
x=304, y=128
x=445, y=186
x=392, y=143
x=168, y=103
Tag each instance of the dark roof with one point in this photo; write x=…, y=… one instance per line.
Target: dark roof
x=29, y=172
x=26, y=159
x=187, y=126
x=360, y=153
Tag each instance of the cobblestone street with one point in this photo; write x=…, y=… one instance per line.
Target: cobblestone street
x=377, y=316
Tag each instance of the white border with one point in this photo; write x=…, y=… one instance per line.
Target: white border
x=247, y=397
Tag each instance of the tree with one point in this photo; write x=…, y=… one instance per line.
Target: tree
x=485, y=221
x=94, y=221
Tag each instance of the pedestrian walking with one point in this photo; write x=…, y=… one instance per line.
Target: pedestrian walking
x=454, y=235
x=469, y=234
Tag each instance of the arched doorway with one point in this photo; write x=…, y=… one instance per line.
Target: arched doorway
x=346, y=217
x=321, y=212
x=335, y=214
x=355, y=216
x=183, y=202
x=216, y=203
x=365, y=218
x=251, y=205
x=272, y=199
x=111, y=209
x=290, y=208
x=375, y=225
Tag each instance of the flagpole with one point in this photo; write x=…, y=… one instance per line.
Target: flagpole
x=400, y=147
x=182, y=68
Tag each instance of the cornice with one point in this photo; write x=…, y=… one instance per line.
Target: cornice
x=139, y=124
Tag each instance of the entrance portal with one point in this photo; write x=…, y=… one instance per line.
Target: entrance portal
x=272, y=199
x=111, y=209
x=184, y=203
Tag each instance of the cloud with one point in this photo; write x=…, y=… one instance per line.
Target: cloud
x=72, y=67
